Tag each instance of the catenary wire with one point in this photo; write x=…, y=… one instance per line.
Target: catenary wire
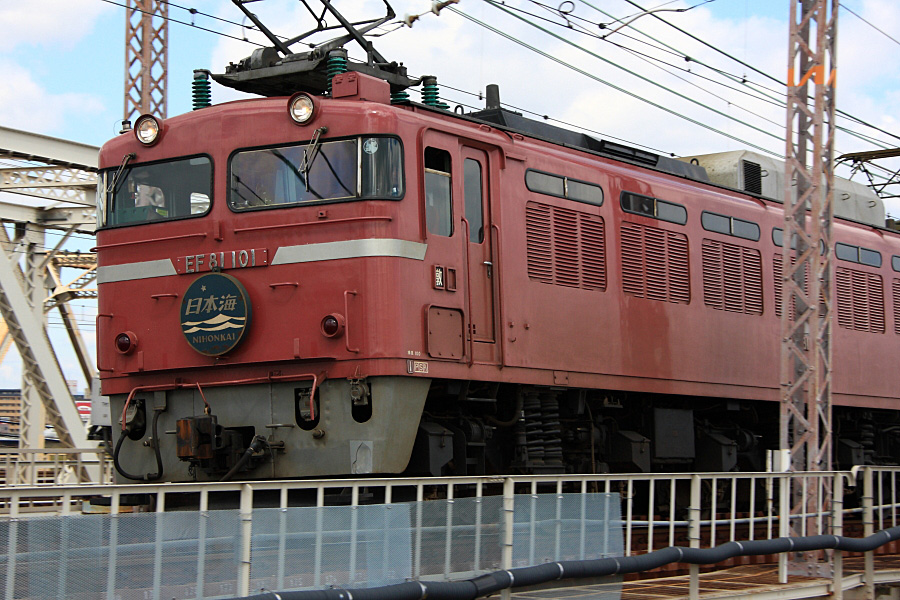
x=653, y=60
x=617, y=88
x=755, y=69
x=192, y=11
x=234, y=37
x=549, y=118
x=763, y=91
x=743, y=80
x=851, y=11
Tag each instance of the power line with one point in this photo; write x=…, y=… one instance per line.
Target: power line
x=775, y=100
x=173, y=20
x=615, y=87
x=751, y=67
x=851, y=11
x=652, y=60
x=761, y=93
x=561, y=122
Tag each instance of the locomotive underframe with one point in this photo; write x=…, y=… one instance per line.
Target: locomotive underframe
x=509, y=428
x=420, y=426
x=347, y=432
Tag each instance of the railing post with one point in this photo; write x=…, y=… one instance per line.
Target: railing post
x=694, y=534
x=246, y=536
x=784, y=522
x=203, y=516
x=12, y=547
x=114, y=505
x=509, y=502
x=158, y=545
x=868, y=503
x=837, y=520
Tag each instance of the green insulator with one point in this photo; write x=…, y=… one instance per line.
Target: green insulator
x=401, y=97
x=201, y=90
x=337, y=64
x=430, y=94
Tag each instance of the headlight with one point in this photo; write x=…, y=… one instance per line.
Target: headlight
x=146, y=130
x=301, y=108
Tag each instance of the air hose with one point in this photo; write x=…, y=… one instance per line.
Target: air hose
x=258, y=443
x=573, y=569
x=159, y=465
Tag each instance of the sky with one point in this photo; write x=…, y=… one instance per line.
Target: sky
x=64, y=69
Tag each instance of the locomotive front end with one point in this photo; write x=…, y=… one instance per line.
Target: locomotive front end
x=250, y=260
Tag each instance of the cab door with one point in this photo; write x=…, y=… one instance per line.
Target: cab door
x=481, y=268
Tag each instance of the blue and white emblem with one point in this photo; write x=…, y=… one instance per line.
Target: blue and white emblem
x=215, y=313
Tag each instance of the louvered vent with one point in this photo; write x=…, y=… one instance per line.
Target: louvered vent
x=860, y=300
x=752, y=177
x=732, y=278
x=896, y=287
x=565, y=247
x=777, y=270
x=655, y=264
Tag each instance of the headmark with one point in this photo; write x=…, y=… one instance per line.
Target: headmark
x=215, y=313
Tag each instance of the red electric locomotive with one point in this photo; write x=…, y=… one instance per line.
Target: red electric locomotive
x=348, y=282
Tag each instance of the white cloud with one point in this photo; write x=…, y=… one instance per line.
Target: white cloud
x=27, y=105
x=56, y=23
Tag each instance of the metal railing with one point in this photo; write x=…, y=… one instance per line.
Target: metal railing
x=54, y=466
x=698, y=510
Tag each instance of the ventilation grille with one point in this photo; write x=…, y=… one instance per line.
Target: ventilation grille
x=777, y=270
x=860, y=300
x=752, y=177
x=896, y=287
x=655, y=264
x=565, y=247
x=732, y=278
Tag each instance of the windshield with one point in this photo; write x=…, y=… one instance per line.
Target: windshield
x=160, y=191
x=370, y=167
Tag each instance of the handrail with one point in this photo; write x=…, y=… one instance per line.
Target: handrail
x=645, y=510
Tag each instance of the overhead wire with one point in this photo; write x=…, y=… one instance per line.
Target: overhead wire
x=561, y=122
x=763, y=91
x=686, y=57
x=653, y=59
x=613, y=86
x=762, y=95
x=851, y=11
x=174, y=20
x=751, y=67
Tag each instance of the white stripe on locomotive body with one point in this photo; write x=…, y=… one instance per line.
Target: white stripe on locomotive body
x=349, y=249
x=284, y=255
x=137, y=270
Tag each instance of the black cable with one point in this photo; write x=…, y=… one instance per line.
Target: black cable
x=496, y=581
x=183, y=23
x=850, y=10
x=258, y=443
x=159, y=465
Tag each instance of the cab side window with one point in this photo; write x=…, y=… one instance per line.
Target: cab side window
x=474, y=200
x=438, y=205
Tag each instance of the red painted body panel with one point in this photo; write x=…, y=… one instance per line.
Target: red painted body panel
x=543, y=326
x=542, y=334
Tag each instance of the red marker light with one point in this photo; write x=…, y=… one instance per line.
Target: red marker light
x=332, y=325
x=125, y=342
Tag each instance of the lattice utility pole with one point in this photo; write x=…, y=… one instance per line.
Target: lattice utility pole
x=807, y=271
x=146, y=57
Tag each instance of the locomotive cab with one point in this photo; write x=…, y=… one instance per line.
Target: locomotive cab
x=251, y=272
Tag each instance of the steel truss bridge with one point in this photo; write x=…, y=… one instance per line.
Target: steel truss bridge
x=56, y=182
